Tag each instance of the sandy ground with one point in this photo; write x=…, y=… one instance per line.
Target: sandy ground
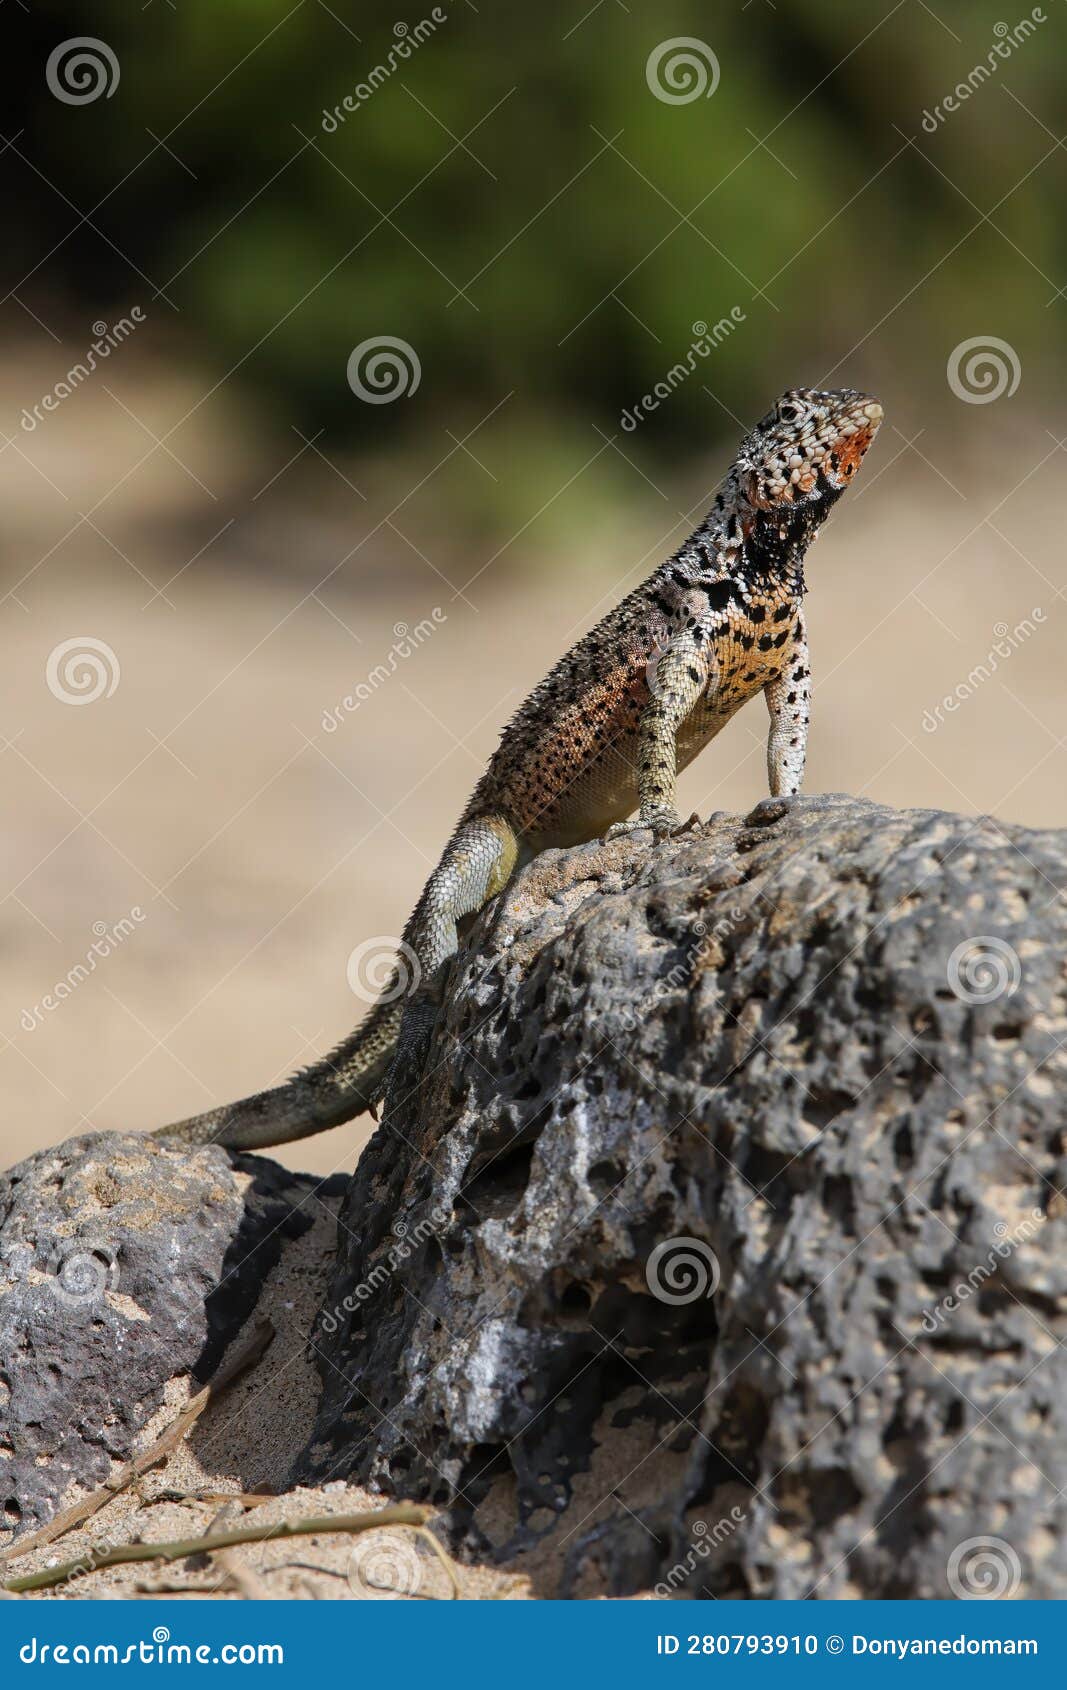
x=226, y=848
x=247, y=1441
x=243, y=1443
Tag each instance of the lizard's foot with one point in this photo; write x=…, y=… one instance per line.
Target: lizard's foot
x=404, y=1078
x=660, y=823
x=770, y=810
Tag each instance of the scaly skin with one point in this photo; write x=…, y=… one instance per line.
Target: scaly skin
x=607, y=732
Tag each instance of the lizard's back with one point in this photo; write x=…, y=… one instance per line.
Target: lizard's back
x=567, y=764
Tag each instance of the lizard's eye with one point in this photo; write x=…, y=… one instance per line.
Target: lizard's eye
x=789, y=411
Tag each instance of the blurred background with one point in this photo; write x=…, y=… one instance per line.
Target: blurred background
x=357, y=359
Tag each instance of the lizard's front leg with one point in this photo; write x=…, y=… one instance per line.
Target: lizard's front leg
x=676, y=681
x=789, y=702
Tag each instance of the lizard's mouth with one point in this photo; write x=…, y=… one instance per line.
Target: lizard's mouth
x=850, y=451
x=818, y=455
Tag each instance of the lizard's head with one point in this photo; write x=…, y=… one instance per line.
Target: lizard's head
x=808, y=449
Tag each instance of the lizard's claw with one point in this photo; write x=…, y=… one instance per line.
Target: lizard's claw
x=660, y=823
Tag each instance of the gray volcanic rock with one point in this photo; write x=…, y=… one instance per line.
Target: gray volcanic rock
x=741, y=1156
x=123, y=1265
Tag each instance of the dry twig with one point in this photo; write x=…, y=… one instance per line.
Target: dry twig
x=401, y=1514
x=79, y=1512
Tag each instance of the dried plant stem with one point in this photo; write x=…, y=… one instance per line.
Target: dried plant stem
x=402, y=1514
x=244, y=1358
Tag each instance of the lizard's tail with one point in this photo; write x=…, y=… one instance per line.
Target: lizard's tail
x=477, y=863
x=348, y=1081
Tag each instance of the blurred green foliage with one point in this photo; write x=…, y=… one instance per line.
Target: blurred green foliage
x=515, y=203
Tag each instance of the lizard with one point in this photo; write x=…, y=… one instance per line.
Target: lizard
x=607, y=731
